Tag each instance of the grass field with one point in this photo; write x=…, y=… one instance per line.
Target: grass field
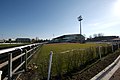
x=67, y=57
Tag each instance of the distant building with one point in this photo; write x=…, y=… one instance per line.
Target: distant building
x=68, y=38
x=102, y=39
x=2, y=41
x=23, y=40
x=116, y=40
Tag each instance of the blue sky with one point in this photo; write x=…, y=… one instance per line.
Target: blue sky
x=43, y=18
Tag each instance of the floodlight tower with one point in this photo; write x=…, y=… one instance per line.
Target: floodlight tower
x=80, y=19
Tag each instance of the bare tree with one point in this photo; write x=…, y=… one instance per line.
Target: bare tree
x=90, y=37
x=100, y=34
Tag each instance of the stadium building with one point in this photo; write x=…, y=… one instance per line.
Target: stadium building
x=73, y=38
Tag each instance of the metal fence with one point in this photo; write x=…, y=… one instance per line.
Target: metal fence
x=14, y=60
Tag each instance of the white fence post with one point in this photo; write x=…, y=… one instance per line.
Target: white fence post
x=50, y=62
x=25, y=60
x=21, y=59
x=0, y=75
x=100, y=52
x=112, y=48
x=10, y=66
x=118, y=46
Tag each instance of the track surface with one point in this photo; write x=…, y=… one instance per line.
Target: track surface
x=116, y=75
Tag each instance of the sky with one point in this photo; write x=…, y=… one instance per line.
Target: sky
x=48, y=19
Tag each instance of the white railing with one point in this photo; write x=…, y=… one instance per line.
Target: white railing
x=25, y=55
x=0, y=75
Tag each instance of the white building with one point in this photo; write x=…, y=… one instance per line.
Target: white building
x=69, y=38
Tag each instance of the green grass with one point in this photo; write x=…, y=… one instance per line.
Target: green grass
x=56, y=48
x=77, y=55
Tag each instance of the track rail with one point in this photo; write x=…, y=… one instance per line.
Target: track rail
x=14, y=60
x=107, y=73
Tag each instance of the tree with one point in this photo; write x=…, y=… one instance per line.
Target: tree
x=37, y=38
x=100, y=34
x=94, y=35
x=33, y=40
x=10, y=40
x=90, y=37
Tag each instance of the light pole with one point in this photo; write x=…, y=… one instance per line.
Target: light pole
x=80, y=19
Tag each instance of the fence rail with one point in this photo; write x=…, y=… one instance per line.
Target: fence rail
x=20, y=54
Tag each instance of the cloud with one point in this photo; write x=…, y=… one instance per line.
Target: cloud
x=102, y=25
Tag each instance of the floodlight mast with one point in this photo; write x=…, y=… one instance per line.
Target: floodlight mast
x=80, y=19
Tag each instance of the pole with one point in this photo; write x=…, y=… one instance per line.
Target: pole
x=100, y=52
x=118, y=46
x=10, y=66
x=80, y=28
x=50, y=62
x=25, y=60
x=0, y=75
x=80, y=33
x=21, y=59
x=80, y=19
x=112, y=48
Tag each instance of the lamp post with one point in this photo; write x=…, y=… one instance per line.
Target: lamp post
x=80, y=19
